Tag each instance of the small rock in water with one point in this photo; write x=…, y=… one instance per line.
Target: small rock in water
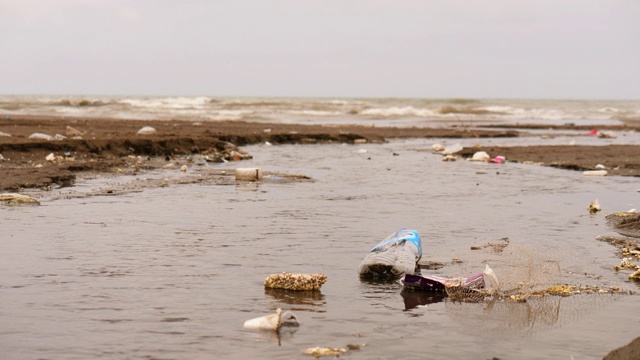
x=437, y=147
x=50, y=157
x=146, y=130
x=183, y=168
x=607, y=135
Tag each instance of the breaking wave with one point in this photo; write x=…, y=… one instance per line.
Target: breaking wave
x=384, y=112
x=398, y=111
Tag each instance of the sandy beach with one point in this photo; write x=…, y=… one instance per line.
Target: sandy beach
x=108, y=145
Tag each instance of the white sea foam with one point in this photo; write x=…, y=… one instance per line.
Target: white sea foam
x=387, y=112
x=398, y=111
x=314, y=112
x=167, y=102
x=499, y=109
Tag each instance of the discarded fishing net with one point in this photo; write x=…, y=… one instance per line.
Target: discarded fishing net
x=625, y=223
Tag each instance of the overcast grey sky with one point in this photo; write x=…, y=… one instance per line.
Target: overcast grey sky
x=375, y=48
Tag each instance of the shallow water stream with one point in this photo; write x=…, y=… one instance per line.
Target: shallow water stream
x=173, y=272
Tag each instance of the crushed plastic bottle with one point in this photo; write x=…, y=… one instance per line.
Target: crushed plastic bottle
x=394, y=256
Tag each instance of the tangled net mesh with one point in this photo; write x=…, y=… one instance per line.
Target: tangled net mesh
x=522, y=272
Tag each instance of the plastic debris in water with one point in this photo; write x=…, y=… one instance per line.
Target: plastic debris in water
x=480, y=156
x=490, y=279
x=249, y=174
x=272, y=322
x=299, y=282
x=594, y=207
x=394, y=256
x=450, y=150
x=498, y=159
x=594, y=173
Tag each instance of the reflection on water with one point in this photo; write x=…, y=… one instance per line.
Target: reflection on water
x=285, y=333
x=415, y=298
x=312, y=301
x=508, y=318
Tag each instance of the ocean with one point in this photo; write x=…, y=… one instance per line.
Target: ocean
x=371, y=112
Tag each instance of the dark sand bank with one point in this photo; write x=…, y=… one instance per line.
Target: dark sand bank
x=108, y=145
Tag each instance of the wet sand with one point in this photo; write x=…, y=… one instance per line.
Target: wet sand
x=112, y=145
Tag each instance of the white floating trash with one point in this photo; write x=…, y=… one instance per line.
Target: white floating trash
x=480, y=156
x=595, y=173
x=248, y=174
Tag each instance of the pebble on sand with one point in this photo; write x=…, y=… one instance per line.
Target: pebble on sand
x=146, y=130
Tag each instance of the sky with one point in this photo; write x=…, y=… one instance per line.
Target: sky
x=562, y=49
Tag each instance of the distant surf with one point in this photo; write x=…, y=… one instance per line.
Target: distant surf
x=373, y=112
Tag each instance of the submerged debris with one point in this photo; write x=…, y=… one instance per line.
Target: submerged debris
x=324, y=351
x=594, y=207
x=567, y=290
x=496, y=247
x=626, y=264
x=298, y=282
